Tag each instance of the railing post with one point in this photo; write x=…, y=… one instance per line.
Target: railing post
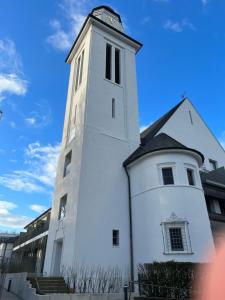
x=125, y=290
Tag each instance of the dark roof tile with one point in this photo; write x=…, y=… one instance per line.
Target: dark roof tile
x=159, y=142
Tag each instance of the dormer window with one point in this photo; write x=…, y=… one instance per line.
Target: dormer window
x=212, y=164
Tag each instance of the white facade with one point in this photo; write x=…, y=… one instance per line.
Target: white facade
x=156, y=203
x=96, y=186
x=188, y=128
x=92, y=199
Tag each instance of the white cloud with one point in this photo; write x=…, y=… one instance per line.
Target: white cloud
x=179, y=26
x=5, y=206
x=11, y=75
x=41, y=116
x=12, y=84
x=9, y=220
x=12, y=124
x=38, y=208
x=30, y=121
x=205, y=2
x=39, y=174
x=74, y=13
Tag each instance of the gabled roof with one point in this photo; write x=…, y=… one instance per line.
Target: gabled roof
x=159, y=142
x=152, y=130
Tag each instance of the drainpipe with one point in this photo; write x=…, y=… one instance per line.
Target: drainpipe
x=131, y=231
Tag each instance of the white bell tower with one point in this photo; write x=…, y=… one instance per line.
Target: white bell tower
x=90, y=213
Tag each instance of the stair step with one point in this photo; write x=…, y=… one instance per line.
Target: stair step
x=49, y=285
x=47, y=291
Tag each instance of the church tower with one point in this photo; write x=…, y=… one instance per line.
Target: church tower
x=90, y=213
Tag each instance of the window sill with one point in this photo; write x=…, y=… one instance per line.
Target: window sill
x=116, y=84
x=178, y=252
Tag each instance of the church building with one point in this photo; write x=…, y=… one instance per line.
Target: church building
x=123, y=198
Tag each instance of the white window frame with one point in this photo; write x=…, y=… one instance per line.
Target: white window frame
x=62, y=207
x=194, y=173
x=175, y=222
x=167, y=165
x=113, y=51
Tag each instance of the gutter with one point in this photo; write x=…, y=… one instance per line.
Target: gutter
x=131, y=231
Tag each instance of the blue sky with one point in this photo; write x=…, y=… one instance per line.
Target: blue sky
x=184, y=52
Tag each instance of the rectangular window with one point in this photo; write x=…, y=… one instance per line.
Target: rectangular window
x=108, y=66
x=113, y=108
x=190, y=175
x=81, y=67
x=115, y=237
x=77, y=75
x=213, y=164
x=117, y=66
x=62, y=207
x=176, y=240
x=67, y=163
x=167, y=174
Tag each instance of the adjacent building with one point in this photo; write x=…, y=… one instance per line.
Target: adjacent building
x=28, y=251
x=7, y=241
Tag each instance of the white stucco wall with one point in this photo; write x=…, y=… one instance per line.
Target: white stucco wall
x=96, y=187
x=153, y=203
x=197, y=135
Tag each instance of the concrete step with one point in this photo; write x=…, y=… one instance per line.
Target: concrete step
x=49, y=285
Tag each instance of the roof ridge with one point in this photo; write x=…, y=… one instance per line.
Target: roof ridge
x=151, y=131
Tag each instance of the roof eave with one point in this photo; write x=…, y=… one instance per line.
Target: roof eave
x=198, y=154
x=98, y=22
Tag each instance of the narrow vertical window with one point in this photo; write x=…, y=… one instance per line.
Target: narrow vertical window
x=81, y=68
x=115, y=237
x=62, y=207
x=108, y=66
x=77, y=75
x=191, y=117
x=167, y=174
x=75, y=114
x=117, y=66
x=68, y=159
x=113, y=108
x=190, y=175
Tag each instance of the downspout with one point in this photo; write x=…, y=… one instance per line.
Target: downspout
x=131, y=231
